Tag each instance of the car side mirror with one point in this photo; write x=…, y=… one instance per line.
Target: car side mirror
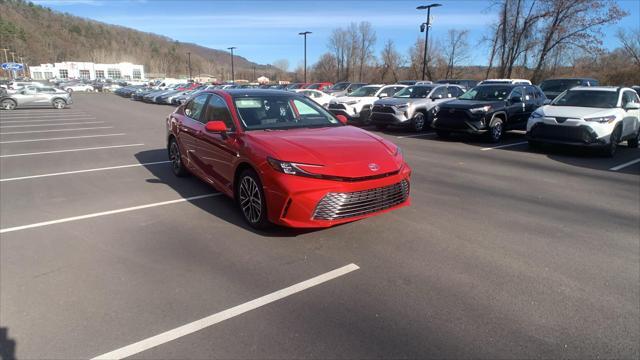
x=516, y=99
x=546, y=102
x=632, y=106
x=342, y=119
x=216, y=126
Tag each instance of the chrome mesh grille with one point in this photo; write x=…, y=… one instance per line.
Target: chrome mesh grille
x=345, y=205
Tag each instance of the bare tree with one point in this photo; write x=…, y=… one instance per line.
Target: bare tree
x=282, y=64
x=457, y=50
x=391, y=61
x=338, y=45
x=325, y=68
x=631, y=44
x=367, y=42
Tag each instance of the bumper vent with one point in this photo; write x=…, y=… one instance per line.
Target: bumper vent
x=345, y=205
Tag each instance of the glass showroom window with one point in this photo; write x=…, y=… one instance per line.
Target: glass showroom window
x=114, y=74
x=100, y=74
x=137, y=74
x=48, y=75
x=37, y=75
x=64, y=74
x=84, y=74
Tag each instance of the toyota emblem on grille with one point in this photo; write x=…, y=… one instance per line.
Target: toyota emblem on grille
x=374, y=167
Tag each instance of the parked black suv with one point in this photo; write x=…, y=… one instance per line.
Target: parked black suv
x=491, y=109
x=554, y=87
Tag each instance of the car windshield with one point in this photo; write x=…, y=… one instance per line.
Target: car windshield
x=269, y=112
x=414, y=92
x=340, y=86
x=587, y=98
x=559, y=85
x=365, y=91
x=487, y=93
x=314, y=86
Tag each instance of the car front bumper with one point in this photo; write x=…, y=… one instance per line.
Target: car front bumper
x=302, y=202
x=580, y=135
x=463, y=124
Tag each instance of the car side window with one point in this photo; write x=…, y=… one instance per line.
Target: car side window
x=628, y=97
x=439, y=93
x=453, y=91
x=195, y=106
x=217, y=110
x=516, y=93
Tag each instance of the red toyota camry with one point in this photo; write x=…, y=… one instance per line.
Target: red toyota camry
x=284, y=159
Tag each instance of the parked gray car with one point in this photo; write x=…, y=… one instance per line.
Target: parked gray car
x=343, y=88
x=32, y=96
x=411, y=107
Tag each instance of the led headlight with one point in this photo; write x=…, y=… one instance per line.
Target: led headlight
x=602, y=119
x=290, y=168
x=352, y=102
x=480, y=109
x=536, y=115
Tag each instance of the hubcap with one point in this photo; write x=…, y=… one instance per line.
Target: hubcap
x=250, y=199
x=7, y=105
x=497, y=131
x=419, y=122
x=59, y=104
x=174, y=155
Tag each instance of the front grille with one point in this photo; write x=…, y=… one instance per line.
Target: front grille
x=337, y=106
x=335, y=206
x=453, y=114
x=562, y=133
x=383, y=109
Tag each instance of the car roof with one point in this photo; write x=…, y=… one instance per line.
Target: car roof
x=256, y=92
x=597, y=88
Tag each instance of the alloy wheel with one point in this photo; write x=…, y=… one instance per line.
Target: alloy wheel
x=58, y=104
x=174, y=156
x=250, y=199
x=418, y=122
x=496, y=131
x=8, y=105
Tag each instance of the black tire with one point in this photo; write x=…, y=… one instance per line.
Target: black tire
x=251, y=200
x=612, y=148
x=534, y=145
x=59, y=104
x=381, y=126
x=633, y=142
x=8, y=104
x=496, y=130
x=418, y=122
x=365, y=117
x=443, y=134
x=177, y=166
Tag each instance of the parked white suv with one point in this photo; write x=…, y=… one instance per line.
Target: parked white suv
x=595, y=116
x=357, y=105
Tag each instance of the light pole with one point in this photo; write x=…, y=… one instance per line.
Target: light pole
x=189, y=63
x=425, y=27
x=305, y=33
x=233, y=77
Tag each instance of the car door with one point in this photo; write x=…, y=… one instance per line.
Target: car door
x=26, y=97
x=43, y=96
x=516, y=109
x=189, y=127
x=218, y=151
x=631, y=116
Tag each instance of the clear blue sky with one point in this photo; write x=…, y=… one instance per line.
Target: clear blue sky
x=265, y=30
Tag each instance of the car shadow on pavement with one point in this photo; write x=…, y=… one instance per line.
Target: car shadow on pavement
x=7, y=345
x=220, y=206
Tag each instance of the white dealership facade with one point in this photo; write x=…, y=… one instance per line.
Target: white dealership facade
x=87, y=70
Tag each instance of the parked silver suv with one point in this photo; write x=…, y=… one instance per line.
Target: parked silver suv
x=36, y=96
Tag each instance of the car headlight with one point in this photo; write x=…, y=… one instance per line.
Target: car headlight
x=435, y=109
x=602, y=119
x=291, y=168
x=480, y=109
x=536, y=115
x=353, y=102
x=402, y=106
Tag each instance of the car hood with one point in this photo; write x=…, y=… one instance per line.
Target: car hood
x=344, y=151
x=397, y=101
x=470, y=104
x=574, y=112
x=346, y=99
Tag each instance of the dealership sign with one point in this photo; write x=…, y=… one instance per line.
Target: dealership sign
x=12, y=66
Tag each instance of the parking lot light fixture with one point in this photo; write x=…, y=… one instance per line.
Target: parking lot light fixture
x=233, y=78
x=305, y=33
x=427, y=25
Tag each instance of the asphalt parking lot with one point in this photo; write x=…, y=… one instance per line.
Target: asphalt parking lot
x=504, y=253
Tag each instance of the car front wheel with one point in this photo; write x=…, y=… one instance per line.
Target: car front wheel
x=251, y=200
x=496, y=130
x=417, y=123
x=8, y=104
x=177, y=166
x=633, y=142
x=59, y=104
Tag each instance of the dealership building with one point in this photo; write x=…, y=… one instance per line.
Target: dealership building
x=87, y=70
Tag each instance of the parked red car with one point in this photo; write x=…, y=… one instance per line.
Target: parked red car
x=284, y=159
x=319, y=86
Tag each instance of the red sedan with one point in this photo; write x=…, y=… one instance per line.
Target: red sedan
x=286, y=160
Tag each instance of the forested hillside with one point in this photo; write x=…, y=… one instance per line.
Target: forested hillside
x=42, y=35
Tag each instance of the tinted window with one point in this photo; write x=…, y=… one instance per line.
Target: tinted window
x=365, y=91
x=587, y=98
x=281, y=112
x=517, y=92
x=440, y=93
x=629, y=97
x=487, y=93
x=454, y=91
x=195, y=106
x=414, y=92
x=559, y=85
x=217, y=110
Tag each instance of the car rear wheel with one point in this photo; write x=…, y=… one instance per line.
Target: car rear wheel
x=177, y=166
x=59, y=104
x=496, y=130
x=8, y=104
x=251, y=200
x=417, y=123
x=633, y=142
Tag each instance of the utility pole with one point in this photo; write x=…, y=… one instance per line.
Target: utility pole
x=425, y=27
x=13, y=58
x=305, y=33
x=189, y=62
x=233, y=76
x=6, y=59
x=254, y=72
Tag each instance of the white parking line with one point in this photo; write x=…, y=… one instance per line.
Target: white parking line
x=56, y=124
x=69, y=150
x=21, y=117
x=503, y=146
x=50, y=120
x=61, y=138
x=55, y=130
x=84, y=171
x=416, y=136
x=208, y=321
x=622, y=166
x=104, y=213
